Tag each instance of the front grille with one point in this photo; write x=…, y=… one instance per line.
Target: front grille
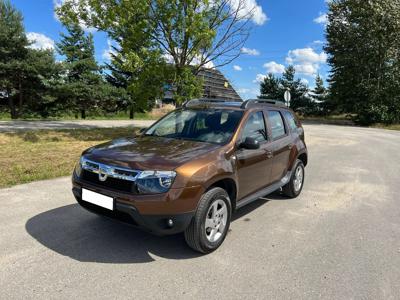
x=110, y=183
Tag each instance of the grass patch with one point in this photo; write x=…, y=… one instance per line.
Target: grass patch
x=333, y=120
x=44, y=154
x=70, y=117
x=390, y=127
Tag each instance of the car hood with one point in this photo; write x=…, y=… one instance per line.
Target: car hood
x=148, y=152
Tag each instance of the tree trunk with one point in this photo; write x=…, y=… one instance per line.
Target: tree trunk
x=20, y=96
x=131, y=113
x=83, y=114
x=12, y=107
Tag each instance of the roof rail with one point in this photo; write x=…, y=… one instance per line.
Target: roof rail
x=208, y=101
x=263, y=101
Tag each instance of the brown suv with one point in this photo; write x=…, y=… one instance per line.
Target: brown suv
x=194, y=167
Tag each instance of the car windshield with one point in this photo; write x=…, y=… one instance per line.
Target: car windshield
x=210, y=125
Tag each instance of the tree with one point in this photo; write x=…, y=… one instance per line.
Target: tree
x=120, y=78
x=364, y=54
x=142, y=80
x=41, y=82
x=270, y=88
x=192, y=34
x=319, y=95
x=84, y=86
x=13, y=54
x=319, y=92
x=297, y=89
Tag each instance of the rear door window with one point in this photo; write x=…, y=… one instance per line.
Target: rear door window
x=276, y=123
x=291, y=120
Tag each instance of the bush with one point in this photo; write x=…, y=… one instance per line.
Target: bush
x=377, y=113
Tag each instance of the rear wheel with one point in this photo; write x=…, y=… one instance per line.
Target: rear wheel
x=293, y=188
x=210, y=224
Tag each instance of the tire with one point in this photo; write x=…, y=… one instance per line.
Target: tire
x=293, y=188
x=210, y=224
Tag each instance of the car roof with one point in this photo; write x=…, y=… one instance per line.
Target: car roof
x=231, y=104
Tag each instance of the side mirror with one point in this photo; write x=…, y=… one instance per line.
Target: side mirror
x=250, y=143
x=142, y=130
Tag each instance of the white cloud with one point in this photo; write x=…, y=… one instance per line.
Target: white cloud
x=274, y=68
x=248, y=51
x=306, y=61
x=209, y=65
x=306, y=55
x=307, y=69
x=322, y=19
x=304, y=81
x=168, y=58
x=248, y=93
x=259, y=78
x=107, y=53
x=250, y=8
x=243, y=91
x=75, y=4
x=40, y=41
x=318, y=42
x=237, y=68
x=196, y=60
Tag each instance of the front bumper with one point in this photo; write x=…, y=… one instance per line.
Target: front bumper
x=149, y=212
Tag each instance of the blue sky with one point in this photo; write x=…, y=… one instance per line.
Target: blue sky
x=284, y=31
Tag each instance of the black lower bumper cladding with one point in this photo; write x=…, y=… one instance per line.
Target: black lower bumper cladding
x=156, y=224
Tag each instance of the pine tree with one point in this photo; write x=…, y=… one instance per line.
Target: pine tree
x=84, y=85
x=120, y=78
x=13, y=55
x=363, y=39
x=297, y=89
x=141, y=76
x=270, y=88
x=41, y=83
x=319, y=97
x=319, y=92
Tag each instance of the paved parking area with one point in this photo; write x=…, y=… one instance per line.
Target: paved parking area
x=339, y=240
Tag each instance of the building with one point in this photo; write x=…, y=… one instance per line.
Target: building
x=215, y=85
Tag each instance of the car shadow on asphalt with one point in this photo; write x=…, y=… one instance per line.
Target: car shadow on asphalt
x=72, y=231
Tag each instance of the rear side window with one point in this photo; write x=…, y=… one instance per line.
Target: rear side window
x=255, y=128
x=290, y=119
x=277, y=125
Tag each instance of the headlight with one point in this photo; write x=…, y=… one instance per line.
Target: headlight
x=78, y=167
x=155, y=182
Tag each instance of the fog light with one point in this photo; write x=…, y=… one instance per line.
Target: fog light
x=170, y=223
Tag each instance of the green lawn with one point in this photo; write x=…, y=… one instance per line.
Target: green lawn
x=45, y=154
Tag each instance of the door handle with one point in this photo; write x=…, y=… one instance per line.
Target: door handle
x=269, y=153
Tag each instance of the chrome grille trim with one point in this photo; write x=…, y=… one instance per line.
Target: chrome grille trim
x=105, y=171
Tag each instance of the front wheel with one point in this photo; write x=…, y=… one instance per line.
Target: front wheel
x=209, y=226
x=293, y=188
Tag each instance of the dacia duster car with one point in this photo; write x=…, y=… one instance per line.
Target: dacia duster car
x=194, y=167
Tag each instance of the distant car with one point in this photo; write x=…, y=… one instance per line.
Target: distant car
x=194, y=167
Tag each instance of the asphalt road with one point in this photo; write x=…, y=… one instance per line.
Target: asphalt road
x=9, y=126
x=339, y=240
